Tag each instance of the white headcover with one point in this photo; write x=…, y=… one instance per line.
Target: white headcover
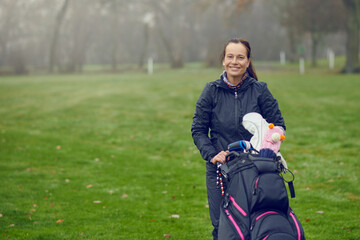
x=257, y=126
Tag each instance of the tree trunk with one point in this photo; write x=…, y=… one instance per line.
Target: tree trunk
x=352, y=35
x=292, y=45
x=175, y=61
x=115, y=40
x=59, y=19
x=145, y=46
x=314, y=45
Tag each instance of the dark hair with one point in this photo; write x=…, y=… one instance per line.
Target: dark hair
x=250, y=69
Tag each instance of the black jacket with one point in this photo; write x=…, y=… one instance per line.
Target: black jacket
x=221, y=110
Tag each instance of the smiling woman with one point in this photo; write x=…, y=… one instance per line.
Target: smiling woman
x=235, y=62
x=236, y=59
x=220, y=109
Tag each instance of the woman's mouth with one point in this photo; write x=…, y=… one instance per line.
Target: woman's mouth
x=234, y=68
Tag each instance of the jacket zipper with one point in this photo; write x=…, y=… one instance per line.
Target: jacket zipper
x=236, y=110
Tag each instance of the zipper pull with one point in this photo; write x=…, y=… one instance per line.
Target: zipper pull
x=236, y=95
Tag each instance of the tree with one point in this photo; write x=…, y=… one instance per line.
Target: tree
x=314, y=17
x=352, y=32
x=220, y=19
x=55, y=37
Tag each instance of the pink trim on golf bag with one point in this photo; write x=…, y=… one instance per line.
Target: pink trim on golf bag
x=237, y=206
x=266, y=237
x=235, y=225
x=297, y=226
x=265, y=213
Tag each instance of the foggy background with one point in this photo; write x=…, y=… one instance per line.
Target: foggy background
x=66, y=35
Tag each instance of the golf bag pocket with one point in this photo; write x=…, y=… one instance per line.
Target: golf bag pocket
x=269, y=192
x=271, y=225
x=230, y=227
x=236, y=207
x=264, y=165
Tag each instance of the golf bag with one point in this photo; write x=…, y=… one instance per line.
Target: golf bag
x=256, y=204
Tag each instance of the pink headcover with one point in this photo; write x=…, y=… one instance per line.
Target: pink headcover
x=272, y=138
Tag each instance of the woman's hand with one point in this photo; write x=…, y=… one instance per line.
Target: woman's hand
x=220, y=157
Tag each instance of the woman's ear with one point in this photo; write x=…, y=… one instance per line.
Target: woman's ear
x=249, y=62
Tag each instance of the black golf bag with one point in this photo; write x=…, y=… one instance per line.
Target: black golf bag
x=256, y=204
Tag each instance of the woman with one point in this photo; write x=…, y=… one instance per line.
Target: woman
x=220, y=109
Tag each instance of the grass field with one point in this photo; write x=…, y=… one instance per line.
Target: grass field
x=107, y=156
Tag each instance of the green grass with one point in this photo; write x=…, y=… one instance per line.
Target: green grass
x=69, y=141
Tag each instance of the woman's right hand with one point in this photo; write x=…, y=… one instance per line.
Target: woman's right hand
x=220, y=157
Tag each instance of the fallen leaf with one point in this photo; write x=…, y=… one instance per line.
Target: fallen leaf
x=173, y=197
x=1, y=215
x=52, y=204
x=34, y=205
x=207, y=206
x=28, y=169
x=124, y=195
x=331, y=180
x=32, y=210
x=111, y=191
x=320, y=212
x=67, y=180
x=58, y=147
x=97, y=159
x=46, y=197
x=12, y=225
x=167, y=236
x=96, y=201
x=60, y=220
x=307, y=219
x=175, y=216
x=89, y=186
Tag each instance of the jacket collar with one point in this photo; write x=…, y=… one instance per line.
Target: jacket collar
x=247, y=83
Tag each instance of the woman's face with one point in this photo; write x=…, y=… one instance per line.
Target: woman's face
x=235, y=61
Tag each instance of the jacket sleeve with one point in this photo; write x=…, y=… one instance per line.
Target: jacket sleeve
x=270, y=109
x=201, y=124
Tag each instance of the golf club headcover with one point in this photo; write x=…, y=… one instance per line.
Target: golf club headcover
x=257, y=126
x=273, y=138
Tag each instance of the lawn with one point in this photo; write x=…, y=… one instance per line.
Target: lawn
x=110, y=156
